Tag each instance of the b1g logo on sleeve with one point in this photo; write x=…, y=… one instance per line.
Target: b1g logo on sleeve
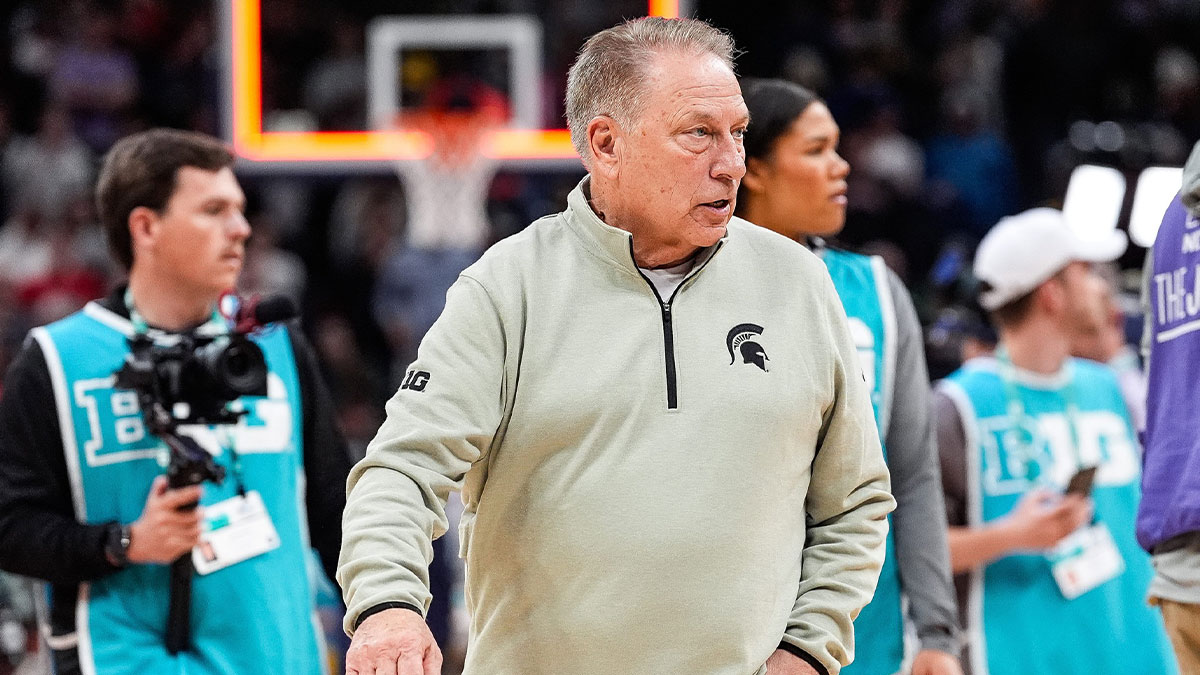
x=415, y=380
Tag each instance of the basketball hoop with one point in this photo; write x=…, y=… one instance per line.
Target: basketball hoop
x=447, y=191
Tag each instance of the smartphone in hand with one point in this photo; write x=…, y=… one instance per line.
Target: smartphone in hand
x=1081, y=482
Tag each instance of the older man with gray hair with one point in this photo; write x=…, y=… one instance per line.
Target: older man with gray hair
x=654, y=411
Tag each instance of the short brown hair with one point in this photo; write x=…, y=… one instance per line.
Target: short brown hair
x=141, y=170
x=1017, y=310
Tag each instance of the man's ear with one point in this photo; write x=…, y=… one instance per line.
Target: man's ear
x=756, y=172
x=604, y=136
x=1052, y=296
x=144, y=226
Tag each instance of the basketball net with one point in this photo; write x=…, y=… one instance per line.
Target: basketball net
x=447, y=191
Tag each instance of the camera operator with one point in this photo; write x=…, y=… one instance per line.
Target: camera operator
x=84, y=503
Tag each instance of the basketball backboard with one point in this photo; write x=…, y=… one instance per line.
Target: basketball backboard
x=370, y=149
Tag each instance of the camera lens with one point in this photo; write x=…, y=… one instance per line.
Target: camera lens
x=234, y=367
x=241, y=368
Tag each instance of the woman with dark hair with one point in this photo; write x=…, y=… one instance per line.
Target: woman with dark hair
x=795, y=185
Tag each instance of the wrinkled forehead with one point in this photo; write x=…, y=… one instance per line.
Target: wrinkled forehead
x=678, y=82
x=668, y=71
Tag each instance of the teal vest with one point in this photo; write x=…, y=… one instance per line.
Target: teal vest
x=253, y=617
x=1025, y=431
x=862, y=285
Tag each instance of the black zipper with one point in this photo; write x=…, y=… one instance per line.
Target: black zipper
x=668, y=331
x=669, y=341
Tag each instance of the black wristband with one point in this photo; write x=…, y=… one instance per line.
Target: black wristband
x=366, y=613
x=804, y=656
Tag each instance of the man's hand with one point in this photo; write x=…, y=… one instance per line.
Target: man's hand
x=935, y=662
x=163, y=532
x=783, y=662
x=393, y=642
x=1042, y=518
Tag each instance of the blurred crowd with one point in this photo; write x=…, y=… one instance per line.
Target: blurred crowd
x=954, y=113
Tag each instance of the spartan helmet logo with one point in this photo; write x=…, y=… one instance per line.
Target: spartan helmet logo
x=741, y=340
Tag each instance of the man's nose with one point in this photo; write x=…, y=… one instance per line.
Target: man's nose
x=729, y=162
x=239, y=227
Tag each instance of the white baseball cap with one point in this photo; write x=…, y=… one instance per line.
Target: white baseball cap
x=1022, y=251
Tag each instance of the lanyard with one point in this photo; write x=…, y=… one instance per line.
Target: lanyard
x=1017, y=412
x=235, y=458
x=216, y=325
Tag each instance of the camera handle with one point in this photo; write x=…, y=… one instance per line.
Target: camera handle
x=190, y=465
x=179, y=624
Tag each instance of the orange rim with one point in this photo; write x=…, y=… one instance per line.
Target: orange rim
x=251, y=142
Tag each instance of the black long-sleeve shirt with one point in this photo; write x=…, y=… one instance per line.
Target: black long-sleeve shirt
x=39, y=535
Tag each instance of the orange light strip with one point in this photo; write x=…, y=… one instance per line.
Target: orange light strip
x=251, y=142
x=342, y=145
x=665, y=8
x=539, y=144
x=247, y=77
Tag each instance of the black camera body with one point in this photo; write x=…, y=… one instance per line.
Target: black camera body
x=191, y=378
x=191, y=381
x=195, y=378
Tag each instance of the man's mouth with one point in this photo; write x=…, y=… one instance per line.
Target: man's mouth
x=719, y=204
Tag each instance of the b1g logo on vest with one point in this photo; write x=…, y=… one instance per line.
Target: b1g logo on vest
x=1040, y=450
x=116, y=432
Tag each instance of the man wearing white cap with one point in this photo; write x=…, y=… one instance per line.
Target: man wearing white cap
x=1049, y=581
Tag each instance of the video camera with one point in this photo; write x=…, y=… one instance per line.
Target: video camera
x=195, y=377
x=191, y=380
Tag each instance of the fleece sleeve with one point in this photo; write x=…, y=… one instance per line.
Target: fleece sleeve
x=847, y=507
x=441, y=421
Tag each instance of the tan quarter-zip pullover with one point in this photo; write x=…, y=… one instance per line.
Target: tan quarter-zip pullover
x=652, y=486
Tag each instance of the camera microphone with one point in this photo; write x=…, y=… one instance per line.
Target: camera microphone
x=274, y=308
x=255, y=312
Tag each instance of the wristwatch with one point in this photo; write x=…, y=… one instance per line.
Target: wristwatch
x=116, y=544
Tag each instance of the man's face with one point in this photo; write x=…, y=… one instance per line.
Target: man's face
x=202, y=232
x=1087, y=300
x=677, y=168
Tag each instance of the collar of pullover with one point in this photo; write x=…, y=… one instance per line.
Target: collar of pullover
x=612, y=243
